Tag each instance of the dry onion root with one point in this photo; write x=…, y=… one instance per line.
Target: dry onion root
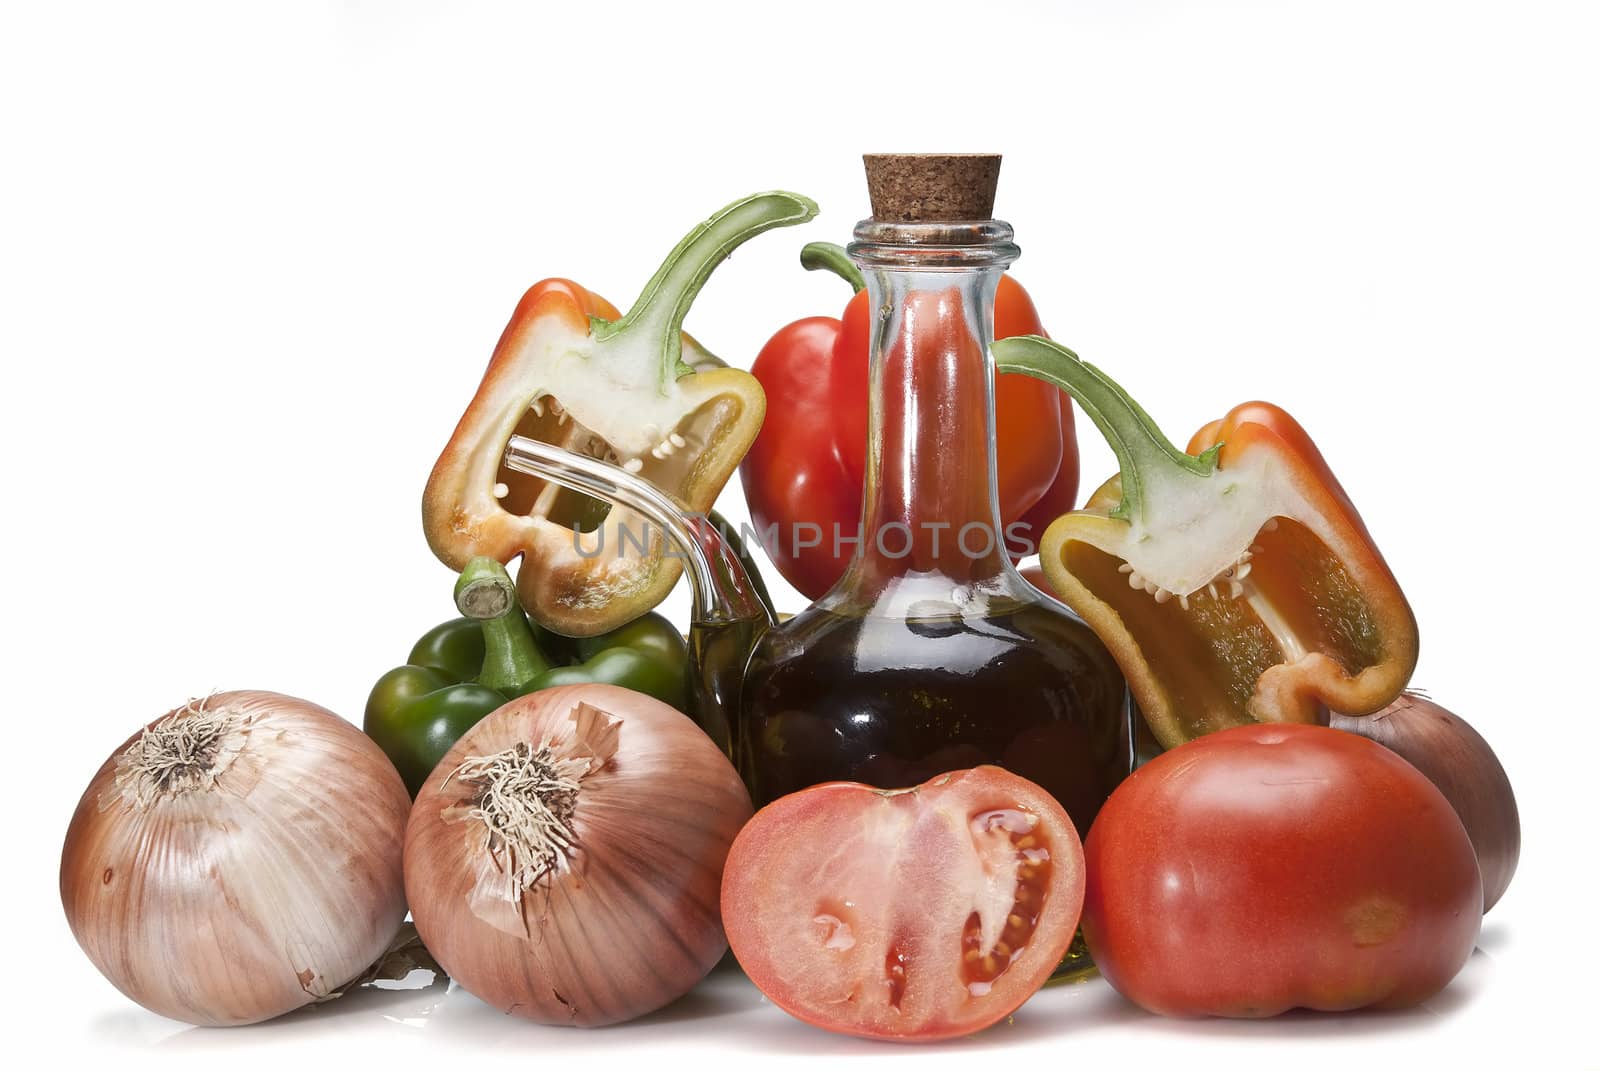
x=237, y=858
x=564, y=860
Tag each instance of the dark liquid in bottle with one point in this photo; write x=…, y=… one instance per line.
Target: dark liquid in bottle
x=894, y=701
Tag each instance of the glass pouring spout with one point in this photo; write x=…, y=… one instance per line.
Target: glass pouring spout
x=729, y=613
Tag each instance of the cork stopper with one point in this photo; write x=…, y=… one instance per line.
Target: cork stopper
x=932, y=187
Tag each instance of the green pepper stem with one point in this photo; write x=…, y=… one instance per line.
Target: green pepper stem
x=831, y=256
x=511, y=658
x=660, y=309
x=1141, y=449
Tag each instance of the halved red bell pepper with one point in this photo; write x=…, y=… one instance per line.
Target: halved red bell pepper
x=632, y=389
x=1234, y=582
x=806, y=470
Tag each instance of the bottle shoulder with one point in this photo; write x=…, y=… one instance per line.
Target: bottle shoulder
x=1037, y=639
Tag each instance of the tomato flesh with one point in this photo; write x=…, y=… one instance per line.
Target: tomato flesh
x=1270, y=867
x=912, y=914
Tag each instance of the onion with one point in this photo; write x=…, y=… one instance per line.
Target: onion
x=564, y=860
x=237, y=858
x=1460, y=763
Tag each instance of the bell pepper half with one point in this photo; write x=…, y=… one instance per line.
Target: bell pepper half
x=466, y=668
x=1234, y=582
x=632, y=389
x=805, y=473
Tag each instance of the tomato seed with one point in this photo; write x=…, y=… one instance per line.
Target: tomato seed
x=979, y=968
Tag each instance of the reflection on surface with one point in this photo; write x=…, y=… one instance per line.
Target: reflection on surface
x=726, y=1010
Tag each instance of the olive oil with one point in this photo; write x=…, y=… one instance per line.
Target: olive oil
x=893, y=701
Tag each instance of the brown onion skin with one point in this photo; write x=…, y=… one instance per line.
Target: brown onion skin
x=181, y=918
x=1452, y=755
x=636, y=922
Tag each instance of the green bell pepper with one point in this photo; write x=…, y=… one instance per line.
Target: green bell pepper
x=462, y=670
x=648, y=654
x=454, y=648
x=456, y=674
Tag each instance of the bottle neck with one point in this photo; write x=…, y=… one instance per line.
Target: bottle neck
x=930, y=506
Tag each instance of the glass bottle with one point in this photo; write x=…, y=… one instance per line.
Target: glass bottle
x=932, y=653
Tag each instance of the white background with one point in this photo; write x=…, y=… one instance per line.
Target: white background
x=254, y=259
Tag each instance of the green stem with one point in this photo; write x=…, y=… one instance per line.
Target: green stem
x=831, y=256
x=1140, y=447
x=658, y=313
x=510, y=656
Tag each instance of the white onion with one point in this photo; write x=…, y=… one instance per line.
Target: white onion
x=564, y=860
x=237, y=858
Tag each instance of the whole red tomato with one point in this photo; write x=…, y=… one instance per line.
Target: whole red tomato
x=1271, y=867
x=910, y=915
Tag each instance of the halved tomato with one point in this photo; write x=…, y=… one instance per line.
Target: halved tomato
x=908, y=914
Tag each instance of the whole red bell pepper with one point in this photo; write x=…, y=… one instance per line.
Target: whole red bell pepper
x=805, y=472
